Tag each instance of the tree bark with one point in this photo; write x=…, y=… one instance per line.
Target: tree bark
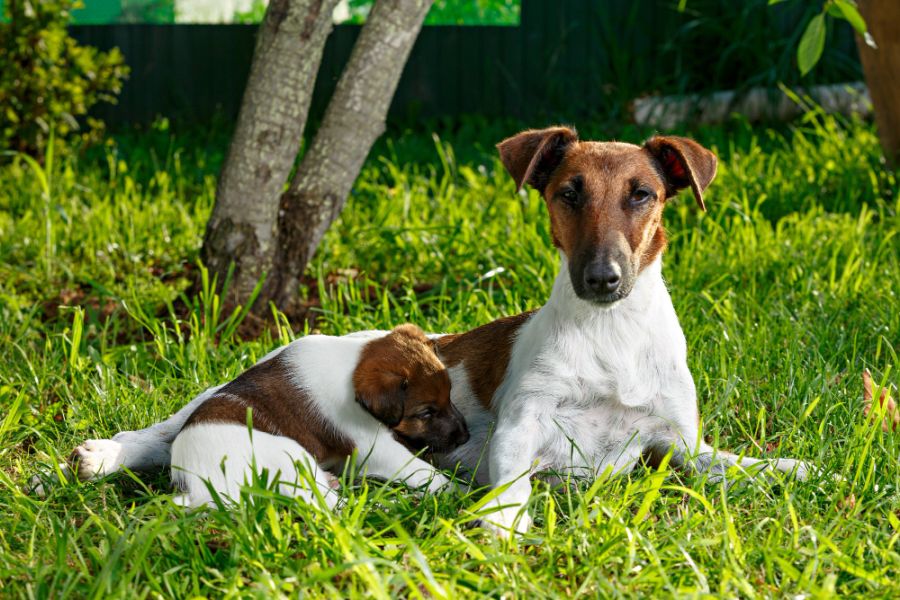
x=243, y=226
x=882, y=70
x=354, y=119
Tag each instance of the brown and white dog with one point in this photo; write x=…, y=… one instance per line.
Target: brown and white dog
x=598, y=376
x=315, y=401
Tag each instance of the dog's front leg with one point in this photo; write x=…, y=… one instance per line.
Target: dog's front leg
x=512, y=459
x=694, y=455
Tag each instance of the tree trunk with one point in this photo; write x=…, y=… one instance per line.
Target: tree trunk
x=243, y=226
x=882, y=70
x=354, y=119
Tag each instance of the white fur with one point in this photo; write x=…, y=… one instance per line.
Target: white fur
x=590, y=389
x=222, y=456
x=322, y=367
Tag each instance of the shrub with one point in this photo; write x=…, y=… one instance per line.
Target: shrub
x=48, y=82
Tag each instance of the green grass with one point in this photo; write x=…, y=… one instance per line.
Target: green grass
x=786, y=291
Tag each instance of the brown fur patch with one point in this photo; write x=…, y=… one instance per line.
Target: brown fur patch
x=400, y=373
x=485, y=352
x=278, y=408
x=607, y=174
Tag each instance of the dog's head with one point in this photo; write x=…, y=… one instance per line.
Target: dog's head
x=401, y=382
x=606, y=199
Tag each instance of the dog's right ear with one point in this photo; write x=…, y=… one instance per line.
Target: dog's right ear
x=532, y=156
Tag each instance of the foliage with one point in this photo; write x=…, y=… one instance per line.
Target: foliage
x=453, y=12
x=253, y=14
x=48, y=82
x=786, y=289
x=756, y=46
x=147, y=11
x=809, y=51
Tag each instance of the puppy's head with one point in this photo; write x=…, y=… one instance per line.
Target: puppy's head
x=605, y=199
x=402, y=383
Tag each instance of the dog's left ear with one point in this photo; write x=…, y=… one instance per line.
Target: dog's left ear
x=384, y=399
x=684, y=163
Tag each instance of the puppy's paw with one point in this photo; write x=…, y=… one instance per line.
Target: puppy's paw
x=95, y=458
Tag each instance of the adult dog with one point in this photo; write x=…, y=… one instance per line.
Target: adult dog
x=598, y=376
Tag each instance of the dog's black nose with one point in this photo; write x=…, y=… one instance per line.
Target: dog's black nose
x=603, y=277
x=462, y=436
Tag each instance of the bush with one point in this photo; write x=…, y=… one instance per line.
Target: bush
x=47, y=81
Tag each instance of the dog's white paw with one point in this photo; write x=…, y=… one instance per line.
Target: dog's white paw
x=802, y=470
x=96, y=458
x=506, y=522
x=40, y=484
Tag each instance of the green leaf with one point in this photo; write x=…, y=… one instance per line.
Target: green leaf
x=851, y=15
x=811, y=44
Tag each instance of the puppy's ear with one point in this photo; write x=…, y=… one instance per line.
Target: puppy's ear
x=531, y=156
x=410, y=331
x=684, y=163
x=384, y=399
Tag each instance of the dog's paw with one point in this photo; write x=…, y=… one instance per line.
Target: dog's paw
x=95, y=458
x=802, y=470
x=41, y=483
x=506, y=522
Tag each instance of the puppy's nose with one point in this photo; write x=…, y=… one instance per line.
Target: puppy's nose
x=603, y=277
x=462, y=431
x=462, y=436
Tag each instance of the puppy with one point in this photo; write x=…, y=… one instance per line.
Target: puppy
x=313, y=401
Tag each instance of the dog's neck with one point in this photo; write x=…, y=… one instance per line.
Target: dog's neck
x=566, y=306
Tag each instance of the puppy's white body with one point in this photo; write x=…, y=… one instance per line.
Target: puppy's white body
x=225, y=457
x=322, y=368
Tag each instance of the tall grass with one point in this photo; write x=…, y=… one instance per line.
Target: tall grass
x=786, y=290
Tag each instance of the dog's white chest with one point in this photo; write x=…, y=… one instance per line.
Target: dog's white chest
x=604, y=421
x=602, y=388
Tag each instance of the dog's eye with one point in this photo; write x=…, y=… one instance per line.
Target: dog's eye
x=404, y=384
x=570, y=197
x=425, y=414
x=641, y=196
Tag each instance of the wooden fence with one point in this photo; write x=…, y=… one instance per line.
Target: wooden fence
x=567, y=58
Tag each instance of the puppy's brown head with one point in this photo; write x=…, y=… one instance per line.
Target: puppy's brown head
x=606, y=199
x=403, y=384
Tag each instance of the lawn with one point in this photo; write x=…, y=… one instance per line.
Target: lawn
x=786, y=289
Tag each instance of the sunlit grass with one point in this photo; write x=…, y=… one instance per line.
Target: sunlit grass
x=786, y=290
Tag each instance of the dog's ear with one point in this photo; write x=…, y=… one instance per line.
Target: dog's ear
x=410, y=331
x=384, y=398
x=684, y=163
x=531, y=156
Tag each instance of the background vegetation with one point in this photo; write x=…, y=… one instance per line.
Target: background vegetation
x=786, y=290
